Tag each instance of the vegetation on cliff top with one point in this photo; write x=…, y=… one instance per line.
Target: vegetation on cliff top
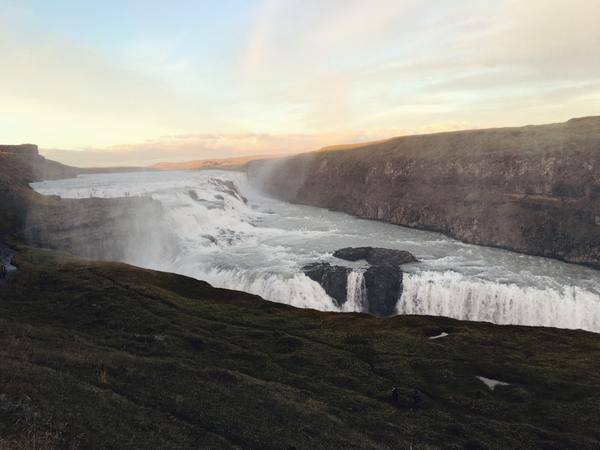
x=575, y=135
x=105, y=355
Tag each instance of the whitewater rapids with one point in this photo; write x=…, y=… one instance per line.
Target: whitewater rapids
x=232, y=236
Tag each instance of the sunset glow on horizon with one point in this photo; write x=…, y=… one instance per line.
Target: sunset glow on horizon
x=137, y=82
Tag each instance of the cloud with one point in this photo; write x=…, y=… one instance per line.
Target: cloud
x=549, y=35
x=69, y=94
x=196, y=146
x=189, y=147
x=296, y=75
x=484, y=53
x=257, y=48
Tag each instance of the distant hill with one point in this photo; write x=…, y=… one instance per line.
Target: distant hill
x=224, y=163
x=40, y=168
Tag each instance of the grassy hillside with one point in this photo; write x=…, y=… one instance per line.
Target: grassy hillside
x=105, y=355
x=101, y=355
x=575, y=135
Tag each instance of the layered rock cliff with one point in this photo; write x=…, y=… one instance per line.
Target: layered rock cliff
x=115, y=229
x=40, y=168
x=534, y=189
x=97, y=228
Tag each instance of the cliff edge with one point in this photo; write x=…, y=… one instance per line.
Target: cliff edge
x=106, y=355
x=533, y=189
x=97, y=228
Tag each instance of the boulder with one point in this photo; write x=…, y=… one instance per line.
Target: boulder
x=375, y=255
x=384, y=287
x=383, y=279
x=333, y=279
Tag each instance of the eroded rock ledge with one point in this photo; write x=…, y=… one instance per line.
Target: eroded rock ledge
x=117, y=229
x=132, y=228
x=382, y=279
x=375, y=255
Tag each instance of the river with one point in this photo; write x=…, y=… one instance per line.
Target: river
x=238, y=238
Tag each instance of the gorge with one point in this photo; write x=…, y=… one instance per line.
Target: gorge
x=533, y=189
x=94, y=349
x=216, y=226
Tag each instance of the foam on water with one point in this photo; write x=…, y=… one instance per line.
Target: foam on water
x=260, y=246
x=356, y=293
x=298, y=290
x=451, y=294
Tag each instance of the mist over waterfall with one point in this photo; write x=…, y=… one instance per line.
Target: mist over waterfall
x=224, y=231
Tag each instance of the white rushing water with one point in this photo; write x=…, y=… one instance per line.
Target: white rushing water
x=260, y=246
x=356, y=292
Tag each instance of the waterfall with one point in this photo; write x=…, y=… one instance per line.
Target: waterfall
x=223, y=232
x=297, y=290
x=450, y=294
x=356, y=293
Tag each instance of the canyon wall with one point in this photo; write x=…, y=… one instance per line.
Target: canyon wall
x=533, y=189
x=115, y=229
x=40, y=168
x=96, y=228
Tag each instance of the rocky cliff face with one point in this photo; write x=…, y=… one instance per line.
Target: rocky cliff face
x=41, y=168
x=533, y=189
x=109, y=229
x=119, y=229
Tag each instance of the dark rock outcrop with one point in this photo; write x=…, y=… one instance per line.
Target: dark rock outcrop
x=26, y=150
x=228, y=187
x=333, y=279
x=7, y=269
x=375, y=255
x=109, y=229
x=117, y=229
x=384, y=287
x=533, y=189
x=383, y=279
x=40, y=167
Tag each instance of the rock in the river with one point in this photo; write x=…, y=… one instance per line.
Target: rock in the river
x=229, y=188
x=375, y=255
x=384, y=287
x=383, y=279
x=334, y=279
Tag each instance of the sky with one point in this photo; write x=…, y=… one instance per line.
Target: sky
x=134, y=82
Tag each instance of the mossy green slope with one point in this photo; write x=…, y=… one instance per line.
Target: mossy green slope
x=102, y=355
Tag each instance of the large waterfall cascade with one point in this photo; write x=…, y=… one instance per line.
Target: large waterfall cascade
x=232, y=236
x=356, y=293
